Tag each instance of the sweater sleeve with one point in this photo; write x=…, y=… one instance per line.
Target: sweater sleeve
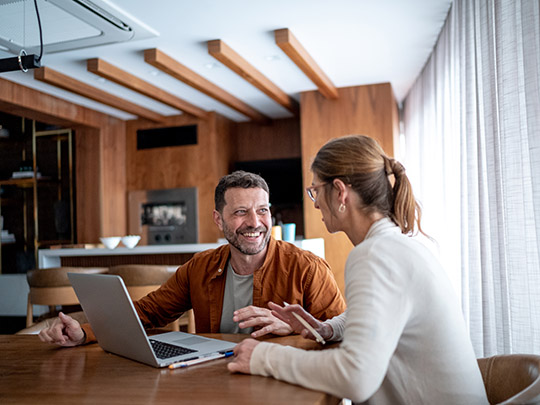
x=338, y=326
x=376, y=315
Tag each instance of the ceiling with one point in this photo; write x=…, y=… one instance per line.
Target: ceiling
x=352, y=42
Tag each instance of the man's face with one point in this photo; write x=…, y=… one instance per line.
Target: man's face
x=246, y=220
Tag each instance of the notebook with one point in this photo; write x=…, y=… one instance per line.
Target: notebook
x=118, y=329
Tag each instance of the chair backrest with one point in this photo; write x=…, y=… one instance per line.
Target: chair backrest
x=52, y=287
x=142, y=279
x=511, y=378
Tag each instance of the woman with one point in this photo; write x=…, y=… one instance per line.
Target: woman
x=403, y=335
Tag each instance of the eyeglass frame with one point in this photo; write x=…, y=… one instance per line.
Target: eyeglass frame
x=310, y=189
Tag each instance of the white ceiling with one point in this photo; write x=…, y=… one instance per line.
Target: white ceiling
x=355, y=42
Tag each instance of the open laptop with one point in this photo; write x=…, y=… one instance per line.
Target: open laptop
x=118, y=329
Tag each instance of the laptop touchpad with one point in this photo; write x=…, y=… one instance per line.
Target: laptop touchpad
x=191, y=341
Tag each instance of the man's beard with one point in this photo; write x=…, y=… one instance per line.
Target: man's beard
x=233, y=238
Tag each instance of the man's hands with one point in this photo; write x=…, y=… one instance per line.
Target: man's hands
x=261, y=318
x=65, y=331
x=285, y=314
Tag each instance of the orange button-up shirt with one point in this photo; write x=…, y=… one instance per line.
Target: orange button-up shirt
x=288, y=274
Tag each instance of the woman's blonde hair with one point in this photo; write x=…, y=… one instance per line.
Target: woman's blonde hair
x=360, y=162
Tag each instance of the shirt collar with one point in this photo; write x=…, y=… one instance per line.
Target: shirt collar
x=380, y=226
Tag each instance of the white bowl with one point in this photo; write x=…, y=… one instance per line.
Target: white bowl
x=110, y=242
x=131, y=241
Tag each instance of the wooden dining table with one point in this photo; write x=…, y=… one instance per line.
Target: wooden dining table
x=33, y=372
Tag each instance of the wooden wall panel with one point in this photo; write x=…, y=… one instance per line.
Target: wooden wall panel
x=113, y=179
x=369, y=110
x=278, y=140
x=199, y=165
x=88, y=187
x=100, y=159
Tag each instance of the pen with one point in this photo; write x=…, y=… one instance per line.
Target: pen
x=318, y=337
x=200, y=360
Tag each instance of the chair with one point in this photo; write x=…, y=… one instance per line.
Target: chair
x=511, y=378
x=52, y=287
x=142, y=279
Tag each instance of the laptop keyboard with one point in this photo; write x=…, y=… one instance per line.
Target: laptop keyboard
x=166, y=350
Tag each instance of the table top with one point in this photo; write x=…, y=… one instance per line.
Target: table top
x=35, y=372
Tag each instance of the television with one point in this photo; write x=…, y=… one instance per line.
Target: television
x=284, y=178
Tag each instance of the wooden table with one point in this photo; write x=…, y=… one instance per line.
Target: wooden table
x=32, y=372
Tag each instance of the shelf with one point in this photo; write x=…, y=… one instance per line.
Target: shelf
x=39, y=208
x=28, y=182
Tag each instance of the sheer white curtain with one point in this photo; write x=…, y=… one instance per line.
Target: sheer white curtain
x=472, y=137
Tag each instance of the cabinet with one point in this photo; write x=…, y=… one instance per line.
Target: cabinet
x=36, y=191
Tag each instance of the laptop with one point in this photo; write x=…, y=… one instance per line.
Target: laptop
x=118, y=329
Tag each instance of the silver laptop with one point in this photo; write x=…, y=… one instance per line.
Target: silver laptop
x=118, y=329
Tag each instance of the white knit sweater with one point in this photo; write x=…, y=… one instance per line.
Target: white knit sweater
x=403, y=336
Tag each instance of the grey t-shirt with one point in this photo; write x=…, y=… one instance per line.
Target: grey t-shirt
x=238, y=294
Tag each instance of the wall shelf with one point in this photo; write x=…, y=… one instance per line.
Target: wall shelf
x=38, y=209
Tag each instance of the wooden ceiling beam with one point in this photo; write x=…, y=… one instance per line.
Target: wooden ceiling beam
x=172, y=67
x=54, y=78
x=123, y=78
x=296, y=52
x=226, y=55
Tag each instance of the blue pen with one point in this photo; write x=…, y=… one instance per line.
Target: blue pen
x=201, y=360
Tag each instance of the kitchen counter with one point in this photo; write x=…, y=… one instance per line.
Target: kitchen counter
x=14, y=288
x=161, y=254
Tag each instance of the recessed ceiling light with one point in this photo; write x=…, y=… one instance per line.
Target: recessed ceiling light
x=153, y=73
x=211, y=65
x=272, y=58
x=100, y=79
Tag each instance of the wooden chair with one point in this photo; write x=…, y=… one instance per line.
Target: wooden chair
x=51, y=287
x=140, y=280
x=511, y=378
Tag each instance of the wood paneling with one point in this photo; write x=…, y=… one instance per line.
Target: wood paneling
x=123, y=78
x=369, y=110
x=301, y=58
x=88, y=185
x=54, y=78
x=230, y=58
x=200, y=165
x=106, y=261
x=99, y=151
x=165, y=63
x=280, y=140
x=113, y=179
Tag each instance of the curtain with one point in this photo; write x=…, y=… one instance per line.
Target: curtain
x=472, y=151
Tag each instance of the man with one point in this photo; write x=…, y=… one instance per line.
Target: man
x=229, y=287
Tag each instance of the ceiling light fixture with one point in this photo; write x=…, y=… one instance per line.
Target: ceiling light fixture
x=24, y=61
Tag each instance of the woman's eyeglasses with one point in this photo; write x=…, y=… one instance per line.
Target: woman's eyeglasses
x=312, y=191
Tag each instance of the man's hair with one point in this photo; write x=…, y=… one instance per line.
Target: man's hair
x=237, y=179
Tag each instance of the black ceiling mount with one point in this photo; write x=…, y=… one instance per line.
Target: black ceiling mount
x=23, y=63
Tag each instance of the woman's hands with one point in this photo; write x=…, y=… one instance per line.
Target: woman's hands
x=285, y=313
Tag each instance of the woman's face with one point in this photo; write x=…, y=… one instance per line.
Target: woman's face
x=323, y=197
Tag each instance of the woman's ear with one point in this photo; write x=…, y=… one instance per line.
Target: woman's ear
x=343, y=190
